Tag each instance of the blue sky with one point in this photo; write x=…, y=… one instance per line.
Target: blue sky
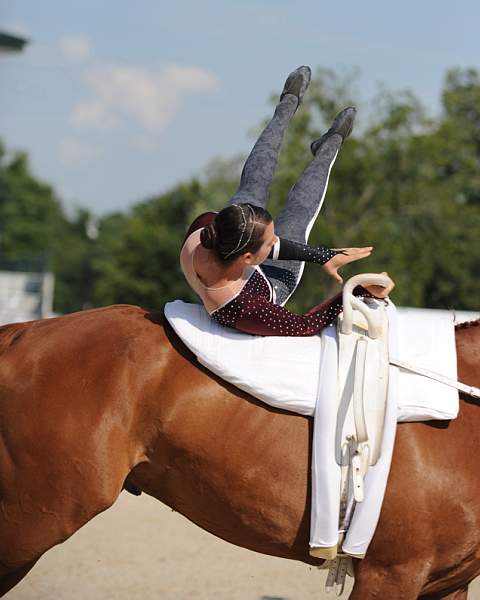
x=115, y=101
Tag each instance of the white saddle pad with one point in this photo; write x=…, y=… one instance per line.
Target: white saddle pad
x=284, y=371
x=281, y=371
x=426, y=339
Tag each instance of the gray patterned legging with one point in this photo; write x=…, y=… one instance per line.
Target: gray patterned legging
x=304, y=200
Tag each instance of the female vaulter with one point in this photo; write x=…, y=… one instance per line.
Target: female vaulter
x=243, y=265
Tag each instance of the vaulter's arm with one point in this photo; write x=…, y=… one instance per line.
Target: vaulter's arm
x=284, y=249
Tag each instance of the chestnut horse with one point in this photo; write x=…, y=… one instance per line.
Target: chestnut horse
x=106, y=399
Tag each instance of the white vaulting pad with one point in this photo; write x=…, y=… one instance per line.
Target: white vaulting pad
x=281, y=371
x=284, y=371
x=427, y=340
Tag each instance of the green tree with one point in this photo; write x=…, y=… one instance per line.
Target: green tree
x=35, y=233
x=30, y=214
x=72, y=259
x=138, y=257
x=405, y=183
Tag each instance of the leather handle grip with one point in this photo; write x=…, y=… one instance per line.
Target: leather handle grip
x=350, y=301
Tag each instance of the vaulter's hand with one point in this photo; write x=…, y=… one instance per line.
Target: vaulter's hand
x=339, y=260
x=378, y=291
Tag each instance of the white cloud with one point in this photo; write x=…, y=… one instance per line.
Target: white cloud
x=149, y=97
x=75, y=153
x=76, y=48
x=17, y=28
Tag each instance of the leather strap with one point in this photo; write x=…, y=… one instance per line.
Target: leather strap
x=467, y=389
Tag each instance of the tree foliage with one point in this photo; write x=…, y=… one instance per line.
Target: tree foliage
x=36, y=234
x=406, y=183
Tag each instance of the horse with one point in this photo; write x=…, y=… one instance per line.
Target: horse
x=108, y=399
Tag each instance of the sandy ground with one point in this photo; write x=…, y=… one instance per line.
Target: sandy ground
x=141, y=549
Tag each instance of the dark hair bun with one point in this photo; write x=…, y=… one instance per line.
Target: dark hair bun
x=208, y=236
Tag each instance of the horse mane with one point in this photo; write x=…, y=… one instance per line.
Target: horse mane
x=467, y=324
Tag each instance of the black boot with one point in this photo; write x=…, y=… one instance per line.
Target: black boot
x=297, y=83
x=342, y=126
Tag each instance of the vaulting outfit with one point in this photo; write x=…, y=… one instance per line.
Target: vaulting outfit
x=253, y=308
x=254, y=304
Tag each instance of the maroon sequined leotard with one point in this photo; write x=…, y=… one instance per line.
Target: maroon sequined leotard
x=253, y=310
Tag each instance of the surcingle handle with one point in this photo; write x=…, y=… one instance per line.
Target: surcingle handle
x=350, y=302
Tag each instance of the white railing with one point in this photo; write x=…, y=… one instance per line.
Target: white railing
x=25, y=296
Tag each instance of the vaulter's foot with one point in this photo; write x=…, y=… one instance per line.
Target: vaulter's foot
x=297, y=83
x=342, y=126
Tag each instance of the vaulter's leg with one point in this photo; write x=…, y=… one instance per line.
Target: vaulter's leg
x=304, y=202
x=260, y=165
